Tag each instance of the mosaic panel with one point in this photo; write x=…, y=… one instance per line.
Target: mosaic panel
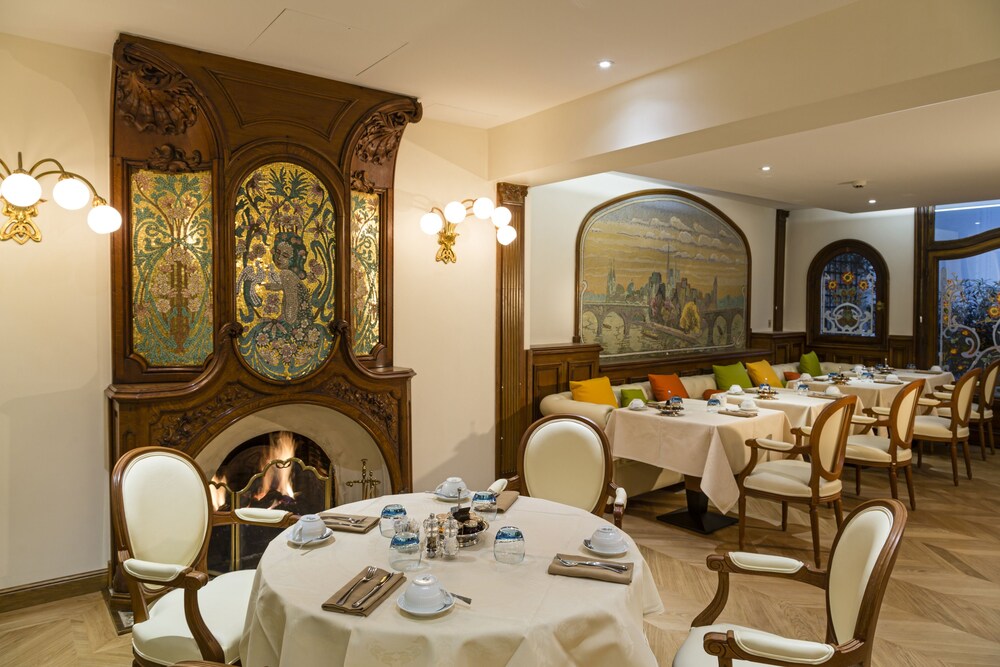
x=848, y=297
x=171, y=226
x=969, y=312
x=285, y=229
x=365, y=228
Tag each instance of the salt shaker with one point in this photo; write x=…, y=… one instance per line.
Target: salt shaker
x=431, y=535
x=449, y=544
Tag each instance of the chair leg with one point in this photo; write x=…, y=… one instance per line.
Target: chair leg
x=814, y=524
x=909, y=486
x=989, y=432
x=857, y=480
x=893, y=483
x=838, y=509
x=982, y=438
x=968, y=458
x=920, y=454
x=954, y=463
x=743, y=518
x=784, y=516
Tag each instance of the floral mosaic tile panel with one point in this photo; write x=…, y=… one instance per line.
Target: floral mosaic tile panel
x=365, y=229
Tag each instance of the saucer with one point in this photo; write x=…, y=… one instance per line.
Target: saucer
x=312, y=540
x=452, y=499
x=448, y=603
x=602, y=552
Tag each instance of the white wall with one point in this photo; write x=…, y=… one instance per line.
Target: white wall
x=890, y=232
x=554, y=215
x=55, y=324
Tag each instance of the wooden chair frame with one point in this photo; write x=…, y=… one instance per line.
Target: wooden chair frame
x=854, y=651
x=987, y=388
x=819, y=473
x=957, y=422
x=897, y=441
x=190, y=579
x=602, y=507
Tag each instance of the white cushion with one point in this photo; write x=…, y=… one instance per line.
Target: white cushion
x=692, y=651
x=883, y=411
x=764, y=562
x=563, y=404
x=806, y=430
x=948, y=387
x=946, y=412
x=697, y=385
x=929, y=426
x=144, y=569
x=564, y=461
x=873, y=448
x=777, y=445
x=861, y=541
x=165, y=638
x=788, y=478
x=861, y=420
x=261, y=515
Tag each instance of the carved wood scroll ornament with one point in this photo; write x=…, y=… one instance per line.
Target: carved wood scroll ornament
x=173, y=159
x=380, y=138
x=152, y=98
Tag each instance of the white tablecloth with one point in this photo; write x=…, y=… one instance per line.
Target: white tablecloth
x=699, y=443
x=932, y=381
x=872, y=394
x=520, y=614
x=801, y=410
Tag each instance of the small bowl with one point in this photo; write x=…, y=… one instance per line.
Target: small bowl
x=735, y=389
x=892, y=377
x=805, y=377
x=607, y=538
x=936, y=369
x=424, y=594
x=637, y=404
x=833, y=391
x=748, y=404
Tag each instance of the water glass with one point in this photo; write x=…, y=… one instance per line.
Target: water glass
x=390, y=513
x=911, y=366
x=676, y=402
x=404, y=547
x=714, y=404
x=802, y=389
x=508, y=545
x=484, y=503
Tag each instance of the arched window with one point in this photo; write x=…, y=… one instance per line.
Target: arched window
x=847, y=286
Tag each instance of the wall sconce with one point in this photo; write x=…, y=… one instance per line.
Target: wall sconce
x=21, y=193
x=444, y=224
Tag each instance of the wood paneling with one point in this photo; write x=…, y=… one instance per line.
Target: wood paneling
x=786, y=346
x=29, y=595
x=551, y=367
x=780, y=226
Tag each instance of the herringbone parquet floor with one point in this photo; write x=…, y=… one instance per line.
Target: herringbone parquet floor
x=942, y=606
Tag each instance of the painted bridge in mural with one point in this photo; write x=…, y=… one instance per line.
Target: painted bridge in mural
x=725, y=324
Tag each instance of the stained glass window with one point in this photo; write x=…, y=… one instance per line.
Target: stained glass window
x=848, y=297
x=969, y=311
x=959, y=221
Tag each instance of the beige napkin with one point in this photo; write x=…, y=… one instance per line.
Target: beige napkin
x=829, y=397
x=589, y=572
x=505, y=500
x=368, y=607
x=363, y=527
x=738, y=413
x=914, y=370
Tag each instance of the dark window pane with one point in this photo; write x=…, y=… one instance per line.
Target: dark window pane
x=847, y=295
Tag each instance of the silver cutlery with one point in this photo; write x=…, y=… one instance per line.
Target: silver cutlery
x=314, y=539
x=343, y=519
x=614, y=567
x=460, y=597
x=372, y=592
x=369, y=575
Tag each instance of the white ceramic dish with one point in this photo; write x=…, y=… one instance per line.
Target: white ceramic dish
x=452, y=499
x=619, y=551
x=327, y=534
x=448, y=603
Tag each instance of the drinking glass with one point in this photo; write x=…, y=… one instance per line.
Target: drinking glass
x=677, y=403
x=802, y=389
x=508, y=545
x=911, y=366
x=484, y=503
x=389, y=515
x=714, y=404
x=404, y=547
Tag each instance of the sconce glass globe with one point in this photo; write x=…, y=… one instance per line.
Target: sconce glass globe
x=431, y=223
x=71, y=193
x=482, y=208
x=506, y=235
x=104, y=219
x=454, y=212
x=21, y=189
x=501, y=218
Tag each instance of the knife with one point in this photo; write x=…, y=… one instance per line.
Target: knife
x=367, y=595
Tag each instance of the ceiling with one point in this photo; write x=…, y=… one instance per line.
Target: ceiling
x=487, y=64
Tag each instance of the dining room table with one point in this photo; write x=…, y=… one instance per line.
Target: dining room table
x=708, y=448
x=802, y=410
x=872, y=393
x=519, y=615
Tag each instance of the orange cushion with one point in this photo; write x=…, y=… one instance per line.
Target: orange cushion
x=792, y=375
x=596, y=390
x=666, y=386
x=761, y=371
x=709, y=393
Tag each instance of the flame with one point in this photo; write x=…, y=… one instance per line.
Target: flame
x=219, y=495
x=280, y=479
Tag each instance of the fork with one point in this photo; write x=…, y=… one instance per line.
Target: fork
x=369, y=575
x=614, y=567
x=343, y=519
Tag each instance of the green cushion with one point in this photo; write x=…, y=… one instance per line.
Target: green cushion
x=809, y=363
x=628, y=395
x=727, y=376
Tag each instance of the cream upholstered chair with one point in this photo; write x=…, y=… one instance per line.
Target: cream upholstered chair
x=952, y=429
x=892, y=452
x=982, y=411
x=567, y=458
x=861, y=561
x=163, y=519
x=811, y=482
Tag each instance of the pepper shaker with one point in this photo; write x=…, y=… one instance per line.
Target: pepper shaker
x=449, y=544
x=431, y=526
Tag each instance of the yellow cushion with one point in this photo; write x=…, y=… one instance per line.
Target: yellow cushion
x=596, y=390
x=761, y=371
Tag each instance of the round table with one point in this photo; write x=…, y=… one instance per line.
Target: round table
x=520, y=615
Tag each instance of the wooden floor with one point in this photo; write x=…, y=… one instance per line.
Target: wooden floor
x=942, y=606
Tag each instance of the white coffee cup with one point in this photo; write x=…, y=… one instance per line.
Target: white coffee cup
x=424, y=593
x=636, y=404
x=748, y=404
x=451, y=486
x=735, y=389
x=308, y=527
x=607, y=538
x=833, y=390
x=805, y=377
x=936, y=369
x=892, y=377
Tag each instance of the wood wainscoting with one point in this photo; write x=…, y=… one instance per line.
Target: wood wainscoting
x=51, y=590
x=788, y=346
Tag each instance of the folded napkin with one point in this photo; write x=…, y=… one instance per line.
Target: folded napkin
x=590, y=572
x=739, y=413
x=883, y=381
x=821, y=394
x=505, y=500
x=330, y=521
x=368, y=607
x=914, y=370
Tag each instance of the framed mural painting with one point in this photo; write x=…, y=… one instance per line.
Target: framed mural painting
x=661, y=273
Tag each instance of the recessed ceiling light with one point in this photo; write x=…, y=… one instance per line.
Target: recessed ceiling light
x=766, y=167
x=605, y=64
x=871, y=201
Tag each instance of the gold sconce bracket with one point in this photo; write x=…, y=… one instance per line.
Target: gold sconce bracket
x=445, y=223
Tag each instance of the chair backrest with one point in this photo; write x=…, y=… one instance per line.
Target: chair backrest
x=965, y=391
x=828, y=439
x=566, y=458
x=161, y=507
x=988, y=386
x=903, y=412
x=861, y=560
